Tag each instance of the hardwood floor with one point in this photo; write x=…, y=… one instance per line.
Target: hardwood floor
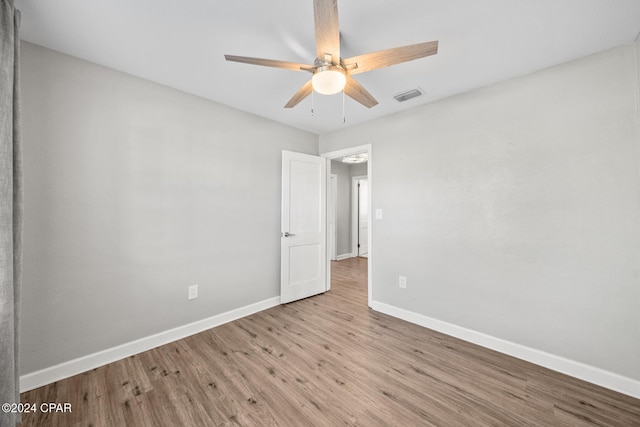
x=327, y=361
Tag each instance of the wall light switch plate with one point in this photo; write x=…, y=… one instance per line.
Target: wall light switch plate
x=402, y=282
x=378, y=213
x=193, y=292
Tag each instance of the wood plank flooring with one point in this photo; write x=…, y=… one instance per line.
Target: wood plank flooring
x=328, y=361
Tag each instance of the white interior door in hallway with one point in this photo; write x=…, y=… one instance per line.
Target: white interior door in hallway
x=332, y=207
x=360, y=214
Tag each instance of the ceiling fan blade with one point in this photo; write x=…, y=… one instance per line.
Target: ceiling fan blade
x=325, y=15
x=300, y=95
x=270, y=63
x=359, y=93
x=384, y=58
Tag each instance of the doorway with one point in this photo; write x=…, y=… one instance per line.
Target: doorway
x=362, y=150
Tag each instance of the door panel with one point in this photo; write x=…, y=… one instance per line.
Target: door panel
x=304, y=212
x=303, y=238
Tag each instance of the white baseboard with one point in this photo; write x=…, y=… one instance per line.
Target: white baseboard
x=95, y=360
x=575, y=369
x=344, y=256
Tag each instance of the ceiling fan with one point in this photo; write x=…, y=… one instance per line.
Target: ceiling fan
x=330, y=72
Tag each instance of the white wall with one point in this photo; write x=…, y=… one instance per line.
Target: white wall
x=514, y=210
x=133, y=191
x=637, y=45
x=343, y=208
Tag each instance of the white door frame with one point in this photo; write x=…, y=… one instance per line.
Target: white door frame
x=336, y=155
x=332, y=206
x=355, y=214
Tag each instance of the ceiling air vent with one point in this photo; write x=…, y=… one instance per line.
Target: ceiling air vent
x=409, y=94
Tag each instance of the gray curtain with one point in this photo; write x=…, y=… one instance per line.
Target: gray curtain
x=10, y=209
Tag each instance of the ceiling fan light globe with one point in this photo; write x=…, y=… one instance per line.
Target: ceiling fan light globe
x=328, y=82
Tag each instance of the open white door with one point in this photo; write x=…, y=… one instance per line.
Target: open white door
x=303, y=230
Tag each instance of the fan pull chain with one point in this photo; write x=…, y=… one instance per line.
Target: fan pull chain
x=312, y=101
x=344, y=120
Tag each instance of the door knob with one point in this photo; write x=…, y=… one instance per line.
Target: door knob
x=287, y=234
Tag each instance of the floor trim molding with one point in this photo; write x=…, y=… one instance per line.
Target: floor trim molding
x=95, y=360
x=344, y=256
x=575, y=369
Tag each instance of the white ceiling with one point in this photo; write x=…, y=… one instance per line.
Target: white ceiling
x=181, y=44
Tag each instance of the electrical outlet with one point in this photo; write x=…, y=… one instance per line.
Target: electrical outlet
x=402, y=282
x=193, y=292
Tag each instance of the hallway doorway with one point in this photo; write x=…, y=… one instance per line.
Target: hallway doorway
x=363, y=236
